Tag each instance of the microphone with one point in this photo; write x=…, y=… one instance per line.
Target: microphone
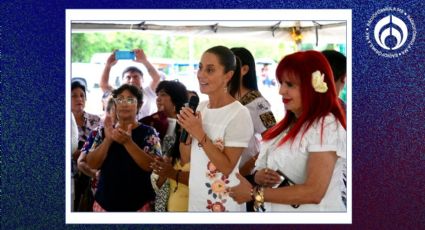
x=193, y=103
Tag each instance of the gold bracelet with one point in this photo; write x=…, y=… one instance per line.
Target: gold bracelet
x=259, y=199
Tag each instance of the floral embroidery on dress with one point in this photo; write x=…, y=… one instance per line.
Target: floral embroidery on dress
x=212, y=170
x=216, y=184
x=216, y=206
x=218, y=187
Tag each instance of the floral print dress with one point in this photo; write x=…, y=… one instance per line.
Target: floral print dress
x=229, y=126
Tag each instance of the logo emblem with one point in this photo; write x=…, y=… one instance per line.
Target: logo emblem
x=390, y=32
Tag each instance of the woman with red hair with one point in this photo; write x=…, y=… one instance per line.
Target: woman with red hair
x=302, y=162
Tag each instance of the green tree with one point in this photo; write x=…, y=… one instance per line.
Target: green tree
x=84, y=45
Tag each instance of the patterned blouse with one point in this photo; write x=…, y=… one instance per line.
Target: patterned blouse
x=262, y=119
x=123, y=185
x=91, y=122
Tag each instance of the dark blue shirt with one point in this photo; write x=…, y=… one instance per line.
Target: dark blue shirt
x=123, y=185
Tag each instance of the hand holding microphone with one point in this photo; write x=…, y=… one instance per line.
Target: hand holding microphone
x=186, y=117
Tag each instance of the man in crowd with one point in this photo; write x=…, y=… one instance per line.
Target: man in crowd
x=134, y=76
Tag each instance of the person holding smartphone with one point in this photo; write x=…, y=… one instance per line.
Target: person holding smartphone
x=134, y=76
x=302, y=161
x=123, y=152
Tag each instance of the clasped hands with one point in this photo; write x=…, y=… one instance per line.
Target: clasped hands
x=117, y=133
x=162, y=166
x=267, y=177
x=242, y=192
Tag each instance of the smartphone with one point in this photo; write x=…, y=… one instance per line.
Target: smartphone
x=120, y=55
x=284, y=180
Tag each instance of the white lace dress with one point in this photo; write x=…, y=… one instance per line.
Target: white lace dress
x=292, y=161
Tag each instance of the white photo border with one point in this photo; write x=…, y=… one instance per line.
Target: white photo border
x=204, y=217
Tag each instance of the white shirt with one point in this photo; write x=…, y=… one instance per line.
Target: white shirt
x=229, y=126
x=149, y=103
x=292, y=161
x=74, y=134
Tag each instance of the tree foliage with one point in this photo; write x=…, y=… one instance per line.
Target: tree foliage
x=84, y=45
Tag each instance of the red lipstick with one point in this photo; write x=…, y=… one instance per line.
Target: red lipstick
x=286, y=100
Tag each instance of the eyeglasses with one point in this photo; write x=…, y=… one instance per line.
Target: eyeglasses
x=128, y=101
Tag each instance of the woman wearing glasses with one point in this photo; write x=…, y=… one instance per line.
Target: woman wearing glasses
x=123, y=153
x=302, y=162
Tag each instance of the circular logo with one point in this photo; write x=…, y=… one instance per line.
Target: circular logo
x=390, y=32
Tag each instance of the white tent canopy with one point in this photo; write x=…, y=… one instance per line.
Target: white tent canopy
x=318, y=32
x=312, y=31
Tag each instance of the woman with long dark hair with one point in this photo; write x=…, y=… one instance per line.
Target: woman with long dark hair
x=259, y=108
x=302, y=162
x=220, y=130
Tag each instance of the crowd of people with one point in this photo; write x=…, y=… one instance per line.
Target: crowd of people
x=225, y=154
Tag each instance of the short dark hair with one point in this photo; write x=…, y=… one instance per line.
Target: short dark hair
x=176, y=90
x=337, y=61
x=136, y=91
x=132, y=69
x=79, y=83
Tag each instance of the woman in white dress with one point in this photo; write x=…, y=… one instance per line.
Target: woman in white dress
x=302, y=163
x=220, y=131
